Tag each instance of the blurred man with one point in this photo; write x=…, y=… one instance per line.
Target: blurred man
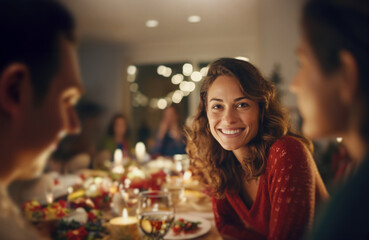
x=39, y=86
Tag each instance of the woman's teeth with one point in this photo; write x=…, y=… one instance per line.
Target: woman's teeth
x=230, y=131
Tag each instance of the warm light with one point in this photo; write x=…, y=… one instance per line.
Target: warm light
x=196, y=76
x=204, y=71
x=162, y=103
x=177, y=96
x=339, y=139
x=131, y=70
x=185, y=93
x=144, y=100
x=140, y=150
x=118, y=155
x=186, y=86
x=177, y=79
x=125, y=213
x=152, y=23
x=133, y=87
x=194, y=19
x=161, y=69
x=242, y=58
x=49, y=197
x=187, y=69
x=131, y=78
x=191, y=86
x=98, y=180
x=70, y=190
x=187, y=176
x=183, y=86
x=167, y=72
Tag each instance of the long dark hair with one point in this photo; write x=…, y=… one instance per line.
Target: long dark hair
x=110, y=130
x=218, y=167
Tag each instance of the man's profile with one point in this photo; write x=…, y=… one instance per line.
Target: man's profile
x=39, y=86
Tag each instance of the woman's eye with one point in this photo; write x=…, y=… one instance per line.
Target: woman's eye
x=216, y=107
x=242, y=105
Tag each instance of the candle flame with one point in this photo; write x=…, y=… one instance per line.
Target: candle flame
x=187, y=176
x=125, y=213
x=118, y=156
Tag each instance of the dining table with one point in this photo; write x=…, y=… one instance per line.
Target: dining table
x=193, y=203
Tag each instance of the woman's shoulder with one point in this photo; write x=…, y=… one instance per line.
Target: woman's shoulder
x=287, y=143
x=287, y=148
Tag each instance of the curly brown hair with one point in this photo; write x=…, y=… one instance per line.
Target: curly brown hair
x=217, y=167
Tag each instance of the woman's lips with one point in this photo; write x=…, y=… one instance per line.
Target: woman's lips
x=230, y=132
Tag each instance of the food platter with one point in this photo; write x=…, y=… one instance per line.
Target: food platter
x=204, y=228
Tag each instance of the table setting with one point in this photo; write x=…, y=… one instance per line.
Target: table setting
x=156, y=199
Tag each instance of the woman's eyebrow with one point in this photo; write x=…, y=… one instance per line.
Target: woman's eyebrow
x=240, y=98
x=216, y=99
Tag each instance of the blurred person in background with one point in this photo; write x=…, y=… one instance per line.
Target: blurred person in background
x=332, y=88
x=169, y=139
x=117, y=135
x=39, y=86
x=75, y=152
x=262, y=176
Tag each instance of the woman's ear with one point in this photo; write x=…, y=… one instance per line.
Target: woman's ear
x=12, y=80
x=349, y=78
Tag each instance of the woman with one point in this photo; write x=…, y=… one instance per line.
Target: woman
x=117, y=135
x=264, y=181
x=169, y=139
x=332, y=87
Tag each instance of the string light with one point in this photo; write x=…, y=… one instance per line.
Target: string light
x=185, y=87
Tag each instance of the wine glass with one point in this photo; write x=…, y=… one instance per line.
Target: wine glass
x=155, y=213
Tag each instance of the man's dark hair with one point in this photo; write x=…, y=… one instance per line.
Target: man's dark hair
x=334, y=25
x=30, y=34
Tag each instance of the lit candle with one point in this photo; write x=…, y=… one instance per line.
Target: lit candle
x=118, y=156
x=124, y=227
x=118, y=162
x=140, y=150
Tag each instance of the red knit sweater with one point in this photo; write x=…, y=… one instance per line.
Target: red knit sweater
x=286, y=197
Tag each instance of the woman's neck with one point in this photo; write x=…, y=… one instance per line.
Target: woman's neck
x=241, y=153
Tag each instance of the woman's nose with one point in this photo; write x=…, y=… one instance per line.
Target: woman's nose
x=229, y=115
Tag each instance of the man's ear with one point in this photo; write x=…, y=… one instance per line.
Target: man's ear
x=12, y=82
x=349, y=77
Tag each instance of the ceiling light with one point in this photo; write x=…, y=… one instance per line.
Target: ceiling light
x=194, y=19
x=152, y=23
x=243, y=58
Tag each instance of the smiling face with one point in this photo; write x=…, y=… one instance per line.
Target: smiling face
x=233, y=118
x=318, y=97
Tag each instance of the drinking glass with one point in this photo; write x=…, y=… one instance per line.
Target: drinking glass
x=174, y=184
x=129, y=197
x=155, y=213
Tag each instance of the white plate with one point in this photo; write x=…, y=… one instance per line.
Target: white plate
x=205, y=227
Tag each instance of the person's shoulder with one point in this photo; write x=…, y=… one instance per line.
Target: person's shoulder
x=286, y=149
x=287, y=143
